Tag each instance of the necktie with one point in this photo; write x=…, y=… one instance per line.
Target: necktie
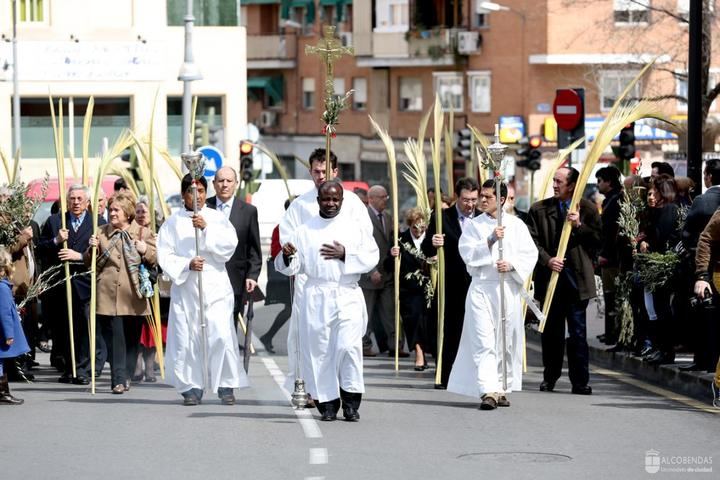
x=462, y=222
x=226, y=210
x=382, y=221
x=75, y=223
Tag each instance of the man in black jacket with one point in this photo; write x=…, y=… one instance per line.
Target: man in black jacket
x=457, y=280
x=78, y=222
x=576, y=282
x=244, y=266
x=701, y=210
x=608, y=182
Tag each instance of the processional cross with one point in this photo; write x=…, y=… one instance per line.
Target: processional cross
x=330, y=50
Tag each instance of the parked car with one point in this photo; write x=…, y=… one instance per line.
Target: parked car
x=270, y=202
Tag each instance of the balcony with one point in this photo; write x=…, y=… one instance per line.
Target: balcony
x=414, y=48
x=271, y=51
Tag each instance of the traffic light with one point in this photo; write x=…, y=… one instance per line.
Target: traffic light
x=215, y=136
x=463, y=153
x=529, y=152
x=246, y=161
x=627, y=142
x=202, y=132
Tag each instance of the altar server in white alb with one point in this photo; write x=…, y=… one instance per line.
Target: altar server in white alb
x=477, y=371
x=332, y=252
x=302, y=209
x=179, y=260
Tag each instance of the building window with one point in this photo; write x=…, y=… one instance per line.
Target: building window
x=208, y=121
x=308, y=97
x=410, y=94
x=480, y=15
x=449, y=86
x=31, y=11
x=374, y=173
x=612, y=84
x=110, y=117
x=631, y=11
x=207, y=13
x=359, y=97
x=479, y=88
x=339, y=87
x=391, y=16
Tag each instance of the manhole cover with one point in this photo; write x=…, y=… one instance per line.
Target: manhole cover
x=524, y=457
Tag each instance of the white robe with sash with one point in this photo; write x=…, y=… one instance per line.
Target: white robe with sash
x=183, y=355
x=332, y=316
x=302, y=209
x=478, y=366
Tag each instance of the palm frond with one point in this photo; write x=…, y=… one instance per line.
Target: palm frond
x=556, y=163
x=87, y=122
x=278, y=165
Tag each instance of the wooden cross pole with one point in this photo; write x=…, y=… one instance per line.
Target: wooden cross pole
x=330, y=50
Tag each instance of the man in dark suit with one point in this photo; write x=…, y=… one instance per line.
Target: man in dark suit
x=576, y=284
x=377, y=285
x=77, y=233
x=244, y=266
x=703, y=207
x=457, y=280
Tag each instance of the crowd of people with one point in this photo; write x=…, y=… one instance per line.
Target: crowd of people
x=653, y=243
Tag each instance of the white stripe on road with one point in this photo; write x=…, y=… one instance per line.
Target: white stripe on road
x=318, y=456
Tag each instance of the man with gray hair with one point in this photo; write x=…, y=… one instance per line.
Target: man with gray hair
x=78, y=223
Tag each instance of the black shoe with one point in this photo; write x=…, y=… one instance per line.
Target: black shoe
x=691, y=367
x=328, y=416
x=647, y=350
x=582, y=390
x=440, y=386
x=226, y=396
x=267, y=343
x=601, y=337
x=547, y=386
x=190, y=399
x=503, y=401
x=81, y=380
x=421, y=368
x=350, y=414
x=65, y=378
x=401, y=354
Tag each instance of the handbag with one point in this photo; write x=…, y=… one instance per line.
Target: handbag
x=278, y=285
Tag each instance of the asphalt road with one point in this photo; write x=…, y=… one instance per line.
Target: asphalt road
x=408, y=430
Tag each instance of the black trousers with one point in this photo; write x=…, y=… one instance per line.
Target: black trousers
x=118, y=333
x=81, y=337
x=553, y=341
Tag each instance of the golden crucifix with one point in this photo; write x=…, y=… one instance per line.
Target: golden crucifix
x=330, y=50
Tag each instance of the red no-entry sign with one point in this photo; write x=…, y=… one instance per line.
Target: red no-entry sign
x=567, y=109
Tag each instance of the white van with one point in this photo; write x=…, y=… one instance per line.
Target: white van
x=270, y=202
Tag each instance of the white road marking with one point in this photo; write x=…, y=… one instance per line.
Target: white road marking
x=318, y=456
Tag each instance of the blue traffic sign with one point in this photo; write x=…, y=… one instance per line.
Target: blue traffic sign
x=213, y=159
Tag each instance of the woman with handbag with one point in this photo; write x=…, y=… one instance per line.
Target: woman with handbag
x=122, y=300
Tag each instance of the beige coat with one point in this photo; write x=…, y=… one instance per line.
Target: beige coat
x=22, y=279
x=116, y=295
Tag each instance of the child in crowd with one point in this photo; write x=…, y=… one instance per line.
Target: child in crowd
x=12, y=338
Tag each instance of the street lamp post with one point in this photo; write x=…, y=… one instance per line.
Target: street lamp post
x=16, y=88
x=188, y=72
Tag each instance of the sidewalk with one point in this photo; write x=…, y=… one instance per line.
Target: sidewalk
x=692, y=384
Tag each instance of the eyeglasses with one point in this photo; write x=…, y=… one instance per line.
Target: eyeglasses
x=467, y=201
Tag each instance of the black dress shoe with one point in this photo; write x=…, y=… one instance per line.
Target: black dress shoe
x=82, y=380
x=65, y=378
x=601, y=337
x=350, y=414
x=190, y=400
x=328, y=416
x=440, y=386
x=421, y=368
x=267, y=343
x=582, y=390
x=547, y=386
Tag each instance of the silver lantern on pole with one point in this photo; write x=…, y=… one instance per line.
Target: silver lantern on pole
x=195, y=163
x=497, y=153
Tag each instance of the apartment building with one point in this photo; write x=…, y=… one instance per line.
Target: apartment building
x=491, y=62
x=122, y=53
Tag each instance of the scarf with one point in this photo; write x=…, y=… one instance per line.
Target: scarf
x=133, y=261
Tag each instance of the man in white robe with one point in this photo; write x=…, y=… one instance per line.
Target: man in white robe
x=179, y=260
x=332, y=253
x=477, y=371
x=302, y=209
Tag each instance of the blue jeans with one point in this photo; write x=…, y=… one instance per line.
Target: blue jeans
x=553, y=342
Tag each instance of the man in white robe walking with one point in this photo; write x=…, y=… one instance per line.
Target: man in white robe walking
x=179, y=260
x=477, y=371
x=332, y=253
x=301, y=210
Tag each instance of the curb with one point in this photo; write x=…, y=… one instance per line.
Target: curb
x=692, y=384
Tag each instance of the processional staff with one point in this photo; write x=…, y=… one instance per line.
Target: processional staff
x=329, y=49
